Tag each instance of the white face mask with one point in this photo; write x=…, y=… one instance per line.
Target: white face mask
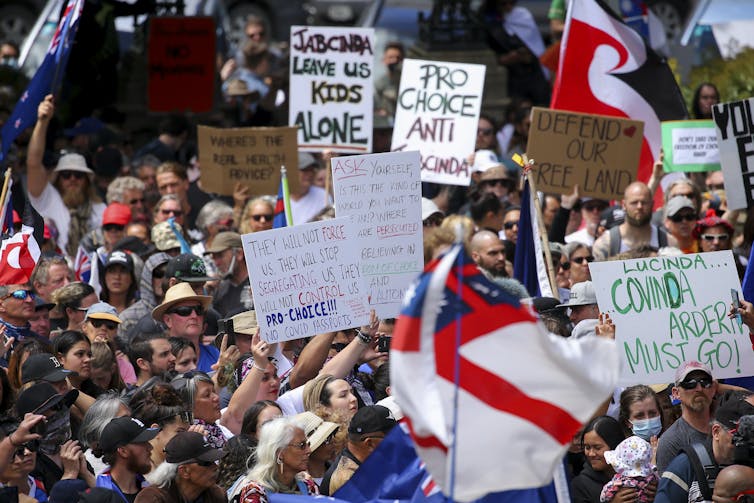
x=647, y=428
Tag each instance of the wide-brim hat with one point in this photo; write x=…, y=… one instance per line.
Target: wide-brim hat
x=176, y=294
x=246, y=323
x=72, y=162
x=316, y=429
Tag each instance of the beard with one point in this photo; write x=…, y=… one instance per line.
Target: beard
x=638, y=222
x=74, y=198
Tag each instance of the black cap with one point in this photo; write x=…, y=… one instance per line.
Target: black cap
x=120, y=257
x=41, y=397
x=612, y=216
x=371, y=419
x=40, y=303
x=99, y=495
x=187, y=267
x=189, y=447
x=135, y=245
x=731, y=410
x=125, y=430
x=43, y=367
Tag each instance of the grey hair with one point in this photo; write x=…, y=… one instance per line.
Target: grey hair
x=163, y=475
x=161, y=201
x=187, y=388
x=572, y=247
x=42, y=269
x=274, y=436
x=116, y=191
x=211, y=213
x=99, y=415
x=145, y=160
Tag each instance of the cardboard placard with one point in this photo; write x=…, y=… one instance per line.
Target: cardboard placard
x=382, y=195
x=690, y=146
x=249, y=155
x=599, y=153
x=181, y=64
x=437, y=114
x=331, y=99
x=306, y=279
x=734, y=123
x=668, y=310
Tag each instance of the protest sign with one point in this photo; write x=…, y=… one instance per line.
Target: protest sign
x=734, y=123
x=249, y=155
x=181, y=64
x=690, y=146
x=437, y=114
x=599, y=153
x=331, y=88
x=668, y=310
x=306, y=279
x=382, y=195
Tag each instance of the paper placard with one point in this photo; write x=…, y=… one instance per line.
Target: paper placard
x=690, y=146
x=249, y=155
x=382, y=195
x=599, y=153
x=306, y=279
x=668, y=310
x=437, y=114
x=331, y=99
x=734, y=124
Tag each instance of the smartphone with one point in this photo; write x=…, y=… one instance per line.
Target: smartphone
x=40, y=428
x=734, y=297
x=383, y=343
x=226, y=328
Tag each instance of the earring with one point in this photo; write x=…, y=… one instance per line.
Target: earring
x=280, y=465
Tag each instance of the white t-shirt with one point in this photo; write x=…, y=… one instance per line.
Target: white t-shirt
x=580, y=236
x=308, y=206
x=292, y=402
x=50, y=205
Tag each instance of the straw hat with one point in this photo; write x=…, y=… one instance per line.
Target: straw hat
x=246, y=323
x=317, y=430
x=179, y=293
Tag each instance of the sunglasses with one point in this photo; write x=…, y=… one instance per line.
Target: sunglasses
x=109, y=324
x=690, y=384
x=257, y=218
x=581, y=260
x=565, y=265
x=67, y=175
x=301, y=445
x=20, y=295
x=594, y=207
x=136, y=201
x=484, y=131
x=177, y=213
x=510, y=225
x=715, y=237
x=185, y=311
x=112, y=227
x=689, y=217
x=32, y=447
x=495, y=183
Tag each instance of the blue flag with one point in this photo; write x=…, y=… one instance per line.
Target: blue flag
x=279, y=219
x=528, y=264
x=46, y=80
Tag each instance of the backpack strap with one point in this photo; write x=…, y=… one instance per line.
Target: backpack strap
x=662, y=238
x=615, y=241
x=705, y=469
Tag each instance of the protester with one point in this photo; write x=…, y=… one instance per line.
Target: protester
x=308, y=200
x=600, y=435
x=680, y=217
x=733, y=484
x=106, y=408
x=591, y=209
x=579, y=256
x=40, y=322
x=72, y=301
x=49, y=274
x=118, y=280
x=640, y=413
x=101, y=325
x=257, y=215
x=582, y=309
x=233, y=294
x=197, y=390
x=150, y=355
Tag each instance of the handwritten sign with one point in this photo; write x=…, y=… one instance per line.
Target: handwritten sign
x=382, y=195
x=306, y=279
x=734, y=123
x=690, y=146
x=664, y=316
x=249, y=155
x=181, y=64
x=331, y=82
x=437, y=114
x=599, y=153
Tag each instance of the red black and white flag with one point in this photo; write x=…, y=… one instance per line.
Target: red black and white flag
x=607, y=68
x=20, y=252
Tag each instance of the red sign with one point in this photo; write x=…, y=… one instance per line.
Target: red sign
x=181, y=64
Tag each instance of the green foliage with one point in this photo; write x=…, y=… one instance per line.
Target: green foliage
x=734, y=78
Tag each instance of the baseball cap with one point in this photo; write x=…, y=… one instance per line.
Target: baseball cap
x=676, y=204
x=582, y=294
x=306, y=161
x=87, y=125
x=612, y=216
x=731, y=410
x=102, y=311
x=99, y=495
x=164, y=238
x=43, y=367
x=42, y=397
x=119, y=257
x=483, y=160
x=116, y=214
x=371, y=419
x=187, y=267
x=40, y=303
x=189, y=447
x=689, y=367
x=125, y=430
x=429, y=208
x=224, y=241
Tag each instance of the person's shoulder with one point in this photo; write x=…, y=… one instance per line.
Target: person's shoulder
x=152, y=494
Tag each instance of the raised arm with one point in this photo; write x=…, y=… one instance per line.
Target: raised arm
x=36, y=174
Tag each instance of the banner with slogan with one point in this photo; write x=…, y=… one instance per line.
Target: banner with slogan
x=331, y=99
x=382, y=195
x=249, y=155
x=437, y=114
x=306, y=279
x=668, y=310
x=181, y=64
x=599, y=153
x=690, y=146
x=734, y=124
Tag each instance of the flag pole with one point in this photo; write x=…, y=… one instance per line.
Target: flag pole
x=541, y=227
x=286, y=197
x=4, y=195
x=457, y=357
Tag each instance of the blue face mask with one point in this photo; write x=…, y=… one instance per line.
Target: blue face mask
x=647, y=428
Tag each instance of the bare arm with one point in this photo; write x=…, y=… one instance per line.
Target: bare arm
x=36, y=174
x=357, y=351
x=311, y=359
x=246, y=394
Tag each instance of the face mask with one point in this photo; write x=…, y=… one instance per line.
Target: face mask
x=58, y=432
x=647, y=428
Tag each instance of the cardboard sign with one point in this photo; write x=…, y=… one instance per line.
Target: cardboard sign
x=437, y=114
x=690, y=146
x=668, y=310
x=599, y=153
x=249, y=155
x=382, y=195
x=734, y=123
x=181, y=64
x=306, y=279
x=331, y=88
